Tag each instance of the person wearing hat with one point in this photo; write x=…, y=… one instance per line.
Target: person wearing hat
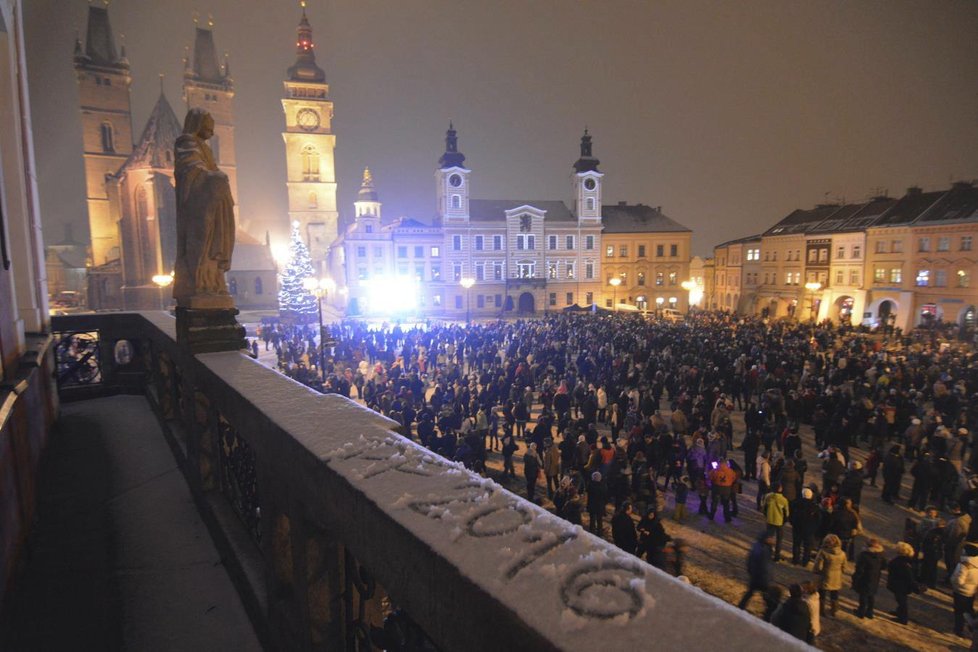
x=893, y=469
x=805, y=518
x=830, y=566
x=866, y=578
x=900, y=580
x=964, y=581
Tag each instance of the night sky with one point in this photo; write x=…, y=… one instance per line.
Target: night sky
x=727, y=114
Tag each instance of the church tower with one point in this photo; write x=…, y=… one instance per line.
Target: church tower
x=367, y=204
x=452, y=182
x=106, y=115
x=587, y=184
x=309, y=145
x=207, y=84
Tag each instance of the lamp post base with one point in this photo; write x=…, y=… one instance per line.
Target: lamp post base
x=210, y=330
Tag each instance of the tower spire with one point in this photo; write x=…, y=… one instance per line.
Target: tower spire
x=305, y=68
x=452, y=157
x=587, y=162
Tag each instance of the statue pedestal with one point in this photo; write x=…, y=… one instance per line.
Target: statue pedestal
x=209, y=330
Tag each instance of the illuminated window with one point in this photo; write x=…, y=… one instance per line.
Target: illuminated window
x=610, y=251
x=590, y=203
x=923, y=277
x=497, y=271
x=641, y=278
x=896, y=246
x=457, y=271
x=923, y=245
x=552, y=270
x=526, y=269
x=310, y=163
x=456, y=201
x=673, y=278
x=435, y=252
x=313, y=200
x=436, y=272
x=896, y=275
x=660, y=278
x=569, y=266
x=964, y=278
x=823, y=255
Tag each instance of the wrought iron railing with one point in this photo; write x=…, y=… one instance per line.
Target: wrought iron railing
x=78, y=358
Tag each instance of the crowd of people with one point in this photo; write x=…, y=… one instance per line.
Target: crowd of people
x=623, y=413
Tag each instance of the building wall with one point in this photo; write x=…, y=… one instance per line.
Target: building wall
x=636, y=259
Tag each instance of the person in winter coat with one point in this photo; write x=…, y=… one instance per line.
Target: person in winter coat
x=759, y=567
x=793, y=616
x=623, y=529
x=852, y=483
x=830, y=565
x=509, y=448
x=866, y=578
x=832, y=469
x=932, y=549
x=531, y=470
x=844, y=522
x=763, y=477
x=805, y=519
x=954, y=537
x=776, y=513
x=900, y=579
x=790, y=481
x=551, y=465
x=652, y=540
x=924, y=478
x=893, y=468
x=597, y=501
x=964, y=581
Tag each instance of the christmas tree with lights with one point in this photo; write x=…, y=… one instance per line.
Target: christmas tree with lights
x=294, y=301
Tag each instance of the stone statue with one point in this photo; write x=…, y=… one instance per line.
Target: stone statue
x=205, y=219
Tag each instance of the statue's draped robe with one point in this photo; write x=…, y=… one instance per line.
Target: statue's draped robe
x=205, y=221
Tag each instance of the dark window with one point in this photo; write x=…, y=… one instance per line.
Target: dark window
x=258, y=285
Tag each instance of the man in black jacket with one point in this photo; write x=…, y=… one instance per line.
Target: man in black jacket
x=623, y=529
x=893, y=468
x=805, y=518
x=866, y=578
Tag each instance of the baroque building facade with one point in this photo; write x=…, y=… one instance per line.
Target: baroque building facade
x=492, y=257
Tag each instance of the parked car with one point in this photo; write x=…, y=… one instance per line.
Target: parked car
x=671, y=314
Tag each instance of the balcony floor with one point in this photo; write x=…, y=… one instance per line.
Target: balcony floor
x=119, y=557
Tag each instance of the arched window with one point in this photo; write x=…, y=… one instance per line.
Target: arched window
x=258, y=285
x=313, y=200
x=310, y=163
x=108, y=143
x=233, y=286
x=456, y=201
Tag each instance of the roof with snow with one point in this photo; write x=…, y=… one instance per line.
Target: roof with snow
x=637, y=218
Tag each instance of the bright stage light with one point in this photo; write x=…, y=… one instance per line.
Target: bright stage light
x=390, y=296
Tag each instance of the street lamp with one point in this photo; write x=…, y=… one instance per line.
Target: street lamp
x=813, y=287
x=467, y=282
x=320, y=289
x=162, y=281
x=615, y=282
x=695, y=291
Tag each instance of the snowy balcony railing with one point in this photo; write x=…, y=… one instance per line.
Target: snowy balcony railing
x=348, y=511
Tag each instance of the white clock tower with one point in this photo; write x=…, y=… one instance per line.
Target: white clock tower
x=309, y=145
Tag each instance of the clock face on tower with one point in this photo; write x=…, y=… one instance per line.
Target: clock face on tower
x=589, y=184
x=307, y=119
x=455, y=180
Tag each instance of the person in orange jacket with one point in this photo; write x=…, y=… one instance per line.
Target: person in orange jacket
x=722, y=479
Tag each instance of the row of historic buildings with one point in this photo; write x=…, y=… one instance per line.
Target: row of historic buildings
x=885, y=261
x=521, y=255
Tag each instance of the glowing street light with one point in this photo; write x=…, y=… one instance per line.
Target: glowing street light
x=614, y=282
x=813, y=287
x=467, y=282
x=695, y=290
x=162, y=281
x=319, y=287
